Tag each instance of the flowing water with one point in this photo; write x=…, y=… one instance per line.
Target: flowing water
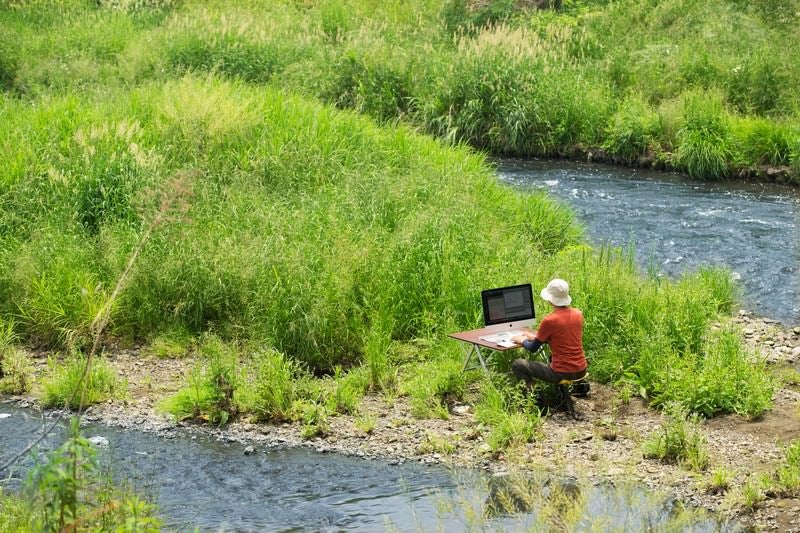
x=677, y=225
x=201, y=482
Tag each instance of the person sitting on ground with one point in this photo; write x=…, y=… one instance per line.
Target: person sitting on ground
x=562, y=329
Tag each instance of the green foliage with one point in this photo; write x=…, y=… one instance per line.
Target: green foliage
x=335, y=19
x=720, y=481
x=786, y=479
x=632, y=129
x=314, y=419
x=470, y=16
x=228, y=54
x=347, y=392
x=510, y=412
x=433, y=386
x=754, y=85
x=210, y=394
x=704, y=142
x=387, y=233
x=375, y=85
x=377, y=357
x=678, y=441
x=762, y=142
x=174, y=344
x=68, y=383
x=9, y=62
x=16, y=371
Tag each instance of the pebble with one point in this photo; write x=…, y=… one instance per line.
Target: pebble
x=100, y=442
x=250, y=450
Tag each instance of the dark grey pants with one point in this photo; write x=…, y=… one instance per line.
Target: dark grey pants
x=528, y=370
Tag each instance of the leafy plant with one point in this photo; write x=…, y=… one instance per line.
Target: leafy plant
x=678, y=441
x=704, y=149
x=212, y=384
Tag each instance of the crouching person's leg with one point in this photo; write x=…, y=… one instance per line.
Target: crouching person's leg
x=527, y=370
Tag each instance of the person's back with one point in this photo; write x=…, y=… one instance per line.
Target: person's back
x=563, y=331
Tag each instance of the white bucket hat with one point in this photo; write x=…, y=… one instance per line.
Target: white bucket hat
x=557, y=292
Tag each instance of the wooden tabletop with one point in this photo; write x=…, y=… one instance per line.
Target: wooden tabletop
x=474, y=337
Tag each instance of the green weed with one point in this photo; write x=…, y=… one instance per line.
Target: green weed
x=65, y=385
x=678, y=441
x=211, y=391
x=16, y=372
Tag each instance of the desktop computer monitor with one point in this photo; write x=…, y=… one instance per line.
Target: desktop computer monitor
x=508, y=307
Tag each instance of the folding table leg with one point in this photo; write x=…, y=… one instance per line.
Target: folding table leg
x=474, y=349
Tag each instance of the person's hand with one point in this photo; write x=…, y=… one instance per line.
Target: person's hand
x=519, y=339
x=529, y=335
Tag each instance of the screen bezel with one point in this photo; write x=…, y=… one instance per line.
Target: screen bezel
x=509, y=319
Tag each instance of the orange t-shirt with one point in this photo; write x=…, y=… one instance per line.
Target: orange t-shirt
x=563, y=331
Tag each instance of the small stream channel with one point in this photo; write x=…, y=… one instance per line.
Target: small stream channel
x=676, y=225
x=202, y=482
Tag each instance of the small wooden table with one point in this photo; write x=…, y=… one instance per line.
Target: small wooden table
x=473, y=345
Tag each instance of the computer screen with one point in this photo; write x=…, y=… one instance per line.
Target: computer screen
x=508, y=304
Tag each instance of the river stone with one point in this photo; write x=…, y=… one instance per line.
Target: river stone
x=796, y=352
x=250, y=450
x=796, y=330
x=100, y=442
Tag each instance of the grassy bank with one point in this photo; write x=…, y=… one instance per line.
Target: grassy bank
x=708, y=88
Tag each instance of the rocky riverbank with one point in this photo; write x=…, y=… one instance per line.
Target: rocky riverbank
x=604, y=445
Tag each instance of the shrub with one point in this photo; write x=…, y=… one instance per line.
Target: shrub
x=70, y=384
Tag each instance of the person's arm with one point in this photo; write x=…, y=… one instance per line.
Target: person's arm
x=532, y=345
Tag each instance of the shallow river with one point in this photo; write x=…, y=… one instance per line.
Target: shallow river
x=201, y=482
x=676, y=225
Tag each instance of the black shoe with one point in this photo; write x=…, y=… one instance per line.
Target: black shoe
x=581, y=390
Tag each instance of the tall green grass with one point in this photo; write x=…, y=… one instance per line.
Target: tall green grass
x=503, y=76
x=324, y=235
